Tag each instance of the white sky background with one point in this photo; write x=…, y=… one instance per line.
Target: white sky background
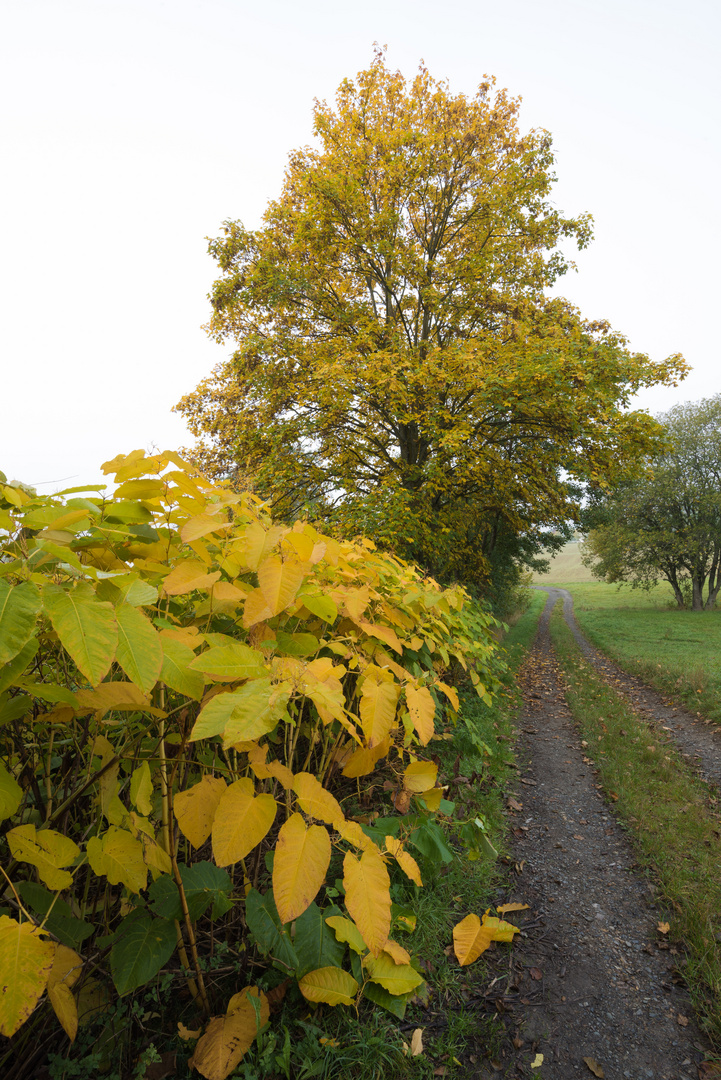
x=131, y=129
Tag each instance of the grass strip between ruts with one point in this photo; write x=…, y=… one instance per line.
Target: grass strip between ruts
x=671, y=816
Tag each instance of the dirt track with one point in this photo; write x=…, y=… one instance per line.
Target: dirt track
x=591, y=979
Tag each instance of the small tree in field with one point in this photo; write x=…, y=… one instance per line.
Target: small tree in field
x=667, y=522
x=399, y=368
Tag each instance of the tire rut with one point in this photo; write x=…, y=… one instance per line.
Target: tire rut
x=590, y=977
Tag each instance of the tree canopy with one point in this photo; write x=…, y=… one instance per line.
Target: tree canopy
x=400, y=368
x=666, y=523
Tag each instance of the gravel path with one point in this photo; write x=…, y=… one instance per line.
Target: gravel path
x=699, y=742
x=592, y=985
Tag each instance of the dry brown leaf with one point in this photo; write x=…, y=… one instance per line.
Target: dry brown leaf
x=595, y=1068
x=536, y=973
x=513, y=804
x=417, y=1042
x=682, y=1020
x=663, y=927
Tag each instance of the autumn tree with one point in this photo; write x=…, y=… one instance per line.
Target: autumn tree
x=399, y=367
x=666, y=523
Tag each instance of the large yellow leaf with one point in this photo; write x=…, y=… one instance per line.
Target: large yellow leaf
x=141, y=789
x=118, y=856
x=420, y=776
x=196, y=807
x=395, y=978
x=227, y=1038
x=407, y=863
x=256, y=609
x=347, y=931
x=422, y=709
x=367, y=897
x=364, y=760
x=109, y=696
x=47, y=850
x=352, y=832
x=397, y=952
x=472, y=936
x=315, y=800
x=330, y=985
x=256, y=542
x=382, y=633
x=451, y=693
x=378, y=709
x=65, y=971
x=279, y=581
x=11, y=794
x=25, y=963
x=202, y=525
x=189, y=575
x=301, y=859
x=241, y=821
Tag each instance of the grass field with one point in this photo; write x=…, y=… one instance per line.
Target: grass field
x=677, y=651
x=565, y=567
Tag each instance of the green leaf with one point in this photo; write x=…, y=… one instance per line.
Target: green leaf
x=142, y=945
x=379, y=996
x=322, y=606
x=61, y=922
x=231, y=661
x=261, y=915
x=247, y=713
x=55, y=695
x=430, y=841
x=11, y=794
x=297, y=644
x=127, y=512
x=19, y=606
x=140, y=653
x=87, y=628
x=204, y=884
x=315, y=944
x=176, y=672
x=11, y=672
x=12, y=708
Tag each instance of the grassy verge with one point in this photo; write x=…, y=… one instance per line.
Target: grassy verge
x=671, y=817
x=676, y=651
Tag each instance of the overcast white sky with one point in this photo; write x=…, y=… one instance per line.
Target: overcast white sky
x=131, y=129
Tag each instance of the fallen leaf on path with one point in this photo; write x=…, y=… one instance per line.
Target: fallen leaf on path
x=535, y=973
x=682, y=1020
x=537, y=1061
x=595, y=1068
x=709, y=1070
x=513, y=804
x=663, y=927
x=505, y=908
x=417, y=1042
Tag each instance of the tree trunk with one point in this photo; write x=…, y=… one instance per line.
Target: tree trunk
x=697, y=585
x=673, y=582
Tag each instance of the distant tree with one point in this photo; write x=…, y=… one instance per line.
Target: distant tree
x=667, y=522
x=399, y=368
